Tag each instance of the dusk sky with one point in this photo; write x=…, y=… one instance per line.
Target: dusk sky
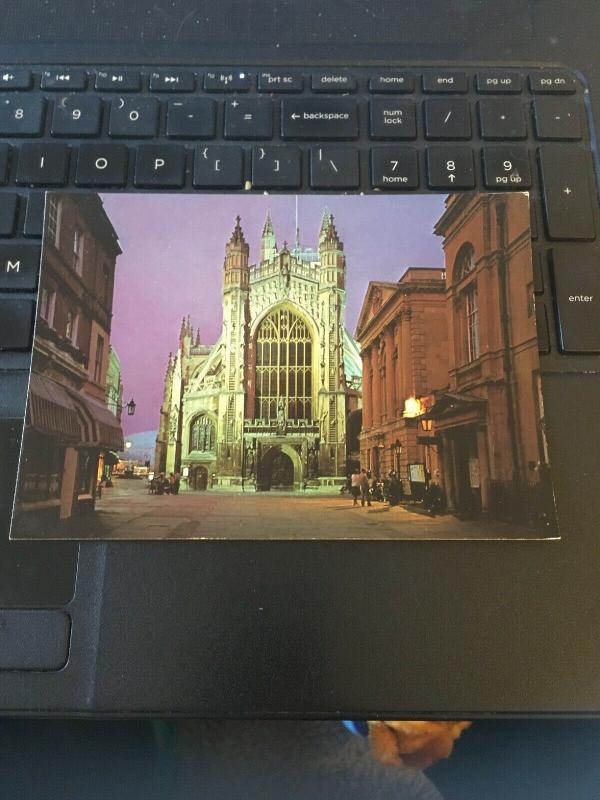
x=172, y=262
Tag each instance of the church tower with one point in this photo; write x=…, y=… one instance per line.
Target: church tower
x=236, y=282
x=268, y=245
x=332, y=389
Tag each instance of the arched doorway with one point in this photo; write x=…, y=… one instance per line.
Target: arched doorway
x=279, y=470
x=198, y=478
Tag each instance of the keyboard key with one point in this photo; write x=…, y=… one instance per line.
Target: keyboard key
x=447, y=119
x=227, y=81
x=577, y=298
x=160, y=166
x=4, y=162
x=14, y=79
x=34, y=214
x=506, y=167
x=218, y=167
x=21, y=115
x=568, y=202
x=392, y=82
x=330, y=82
x=77, y=115
x=556, y=118
x=43, y=164
x=133, y=117
x=334, y=168
x=541, y=323
x=538, y=274
x=450, y=168
x=394, y=167
x=16, y=324
x=9, y=204
x=247, y=118
x=446, y=81
x=172, y=81
x=191, y=119
x=279, y=81
x=319, y=118
x=124, y=80
x=73, y=80
x=502, y=118
x=102, y=165
x=499, y=83
x=277, y=167
x=391, y=118
x=552, y=82
x=19, y=266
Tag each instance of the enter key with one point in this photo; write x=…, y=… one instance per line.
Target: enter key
x=576, y=273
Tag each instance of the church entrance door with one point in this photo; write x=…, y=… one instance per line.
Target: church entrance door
x=276, y=472
x=199, y=478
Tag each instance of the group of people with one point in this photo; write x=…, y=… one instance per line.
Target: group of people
x=163, y=484
x=366, y=488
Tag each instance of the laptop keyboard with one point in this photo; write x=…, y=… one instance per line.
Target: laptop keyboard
x=188, y=129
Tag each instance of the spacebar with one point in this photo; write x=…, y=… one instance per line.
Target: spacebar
x=568, y=202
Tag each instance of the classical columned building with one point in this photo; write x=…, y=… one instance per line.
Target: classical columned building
x=266, y=406
x=489, y=419
x=402, y=333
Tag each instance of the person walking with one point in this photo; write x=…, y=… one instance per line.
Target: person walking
x=355, y=486
x=364, y=488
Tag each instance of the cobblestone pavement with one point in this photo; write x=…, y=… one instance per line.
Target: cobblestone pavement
x=127, y=511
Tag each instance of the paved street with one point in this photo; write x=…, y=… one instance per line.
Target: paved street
x=127, y=511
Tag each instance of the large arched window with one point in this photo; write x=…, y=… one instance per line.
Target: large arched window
x=464, y=263
x=283, y=366
x=202, y=434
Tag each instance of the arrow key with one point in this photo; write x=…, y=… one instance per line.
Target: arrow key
x=334, y=168
x=277, y=167
x=450, y=168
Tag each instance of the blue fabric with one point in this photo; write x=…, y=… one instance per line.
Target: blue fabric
x=357, y=727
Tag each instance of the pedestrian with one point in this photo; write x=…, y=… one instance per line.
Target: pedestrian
x=176, y=482
x=160, y=484
x=355, y=486
x=364, y=488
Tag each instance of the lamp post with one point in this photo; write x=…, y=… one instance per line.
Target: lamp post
x=398, y=453
x=426, y=424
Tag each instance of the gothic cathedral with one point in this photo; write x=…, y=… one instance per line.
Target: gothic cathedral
x=266, y=406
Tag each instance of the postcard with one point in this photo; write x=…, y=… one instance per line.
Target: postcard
x=285, y=367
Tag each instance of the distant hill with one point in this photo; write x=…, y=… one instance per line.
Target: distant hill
x=142, y=446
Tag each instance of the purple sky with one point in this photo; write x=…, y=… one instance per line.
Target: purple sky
x=171, y=266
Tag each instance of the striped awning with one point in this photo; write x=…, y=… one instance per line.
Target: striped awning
x=51, y=410
x=99, y=426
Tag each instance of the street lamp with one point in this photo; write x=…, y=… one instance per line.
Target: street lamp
x=397, y=453
x=127, y=445
x=131, y=407
x=426, y=424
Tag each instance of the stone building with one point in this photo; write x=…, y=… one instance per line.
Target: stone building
x=266, y=406
x=489, y=420
x=69, y=427
x=402, y=332
x=451, y=379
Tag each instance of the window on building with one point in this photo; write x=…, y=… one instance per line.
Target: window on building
x=84, y=472
x=283, y=366
x=47, y=304
x=202, y=434
x=98, y=359
x=78, y=250
x=464, y=263
x=53, y=218
x=472, y=321
x=72, y=327
x=530, y=300
x=105, y=290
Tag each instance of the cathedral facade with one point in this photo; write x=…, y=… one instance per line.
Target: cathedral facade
x=265, y=407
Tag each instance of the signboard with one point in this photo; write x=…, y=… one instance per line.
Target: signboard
x=474, y=482
x=417, y=473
